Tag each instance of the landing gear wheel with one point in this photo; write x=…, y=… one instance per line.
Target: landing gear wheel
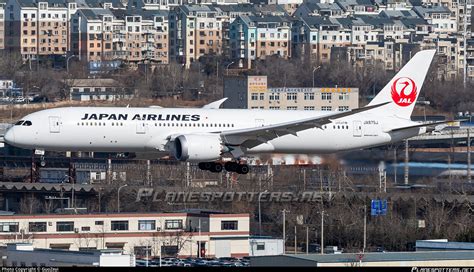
x=205, y=165
x=243, y=169
x=231, y=166
x=216, y=168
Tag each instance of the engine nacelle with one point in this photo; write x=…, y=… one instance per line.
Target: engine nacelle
x=198, y=148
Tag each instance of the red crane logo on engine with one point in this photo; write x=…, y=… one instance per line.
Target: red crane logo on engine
x=404, y=91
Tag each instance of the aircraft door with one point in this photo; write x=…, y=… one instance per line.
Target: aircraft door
x=259, y=122
x=357, y=128
x=142, y=127
x=54, y=124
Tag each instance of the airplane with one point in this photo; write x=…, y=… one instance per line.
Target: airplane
x=209, y=134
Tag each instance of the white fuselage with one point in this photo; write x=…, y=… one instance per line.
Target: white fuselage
x=111, y=129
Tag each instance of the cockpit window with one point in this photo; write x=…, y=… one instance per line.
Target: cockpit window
x=27, y=123
x=19, y=123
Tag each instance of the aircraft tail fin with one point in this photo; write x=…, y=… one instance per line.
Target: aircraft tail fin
x=404, y=88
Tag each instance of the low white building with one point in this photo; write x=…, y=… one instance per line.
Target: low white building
x=182, y=234
x=25, y=255
x=92, y=89
x=265, y=246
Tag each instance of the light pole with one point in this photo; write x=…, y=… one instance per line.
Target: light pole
x=284, y=211
x=322, y=232
x=260, y=213
x=67, y=62
x=314, y=70
x=227, y=67
x=365, y=229
x=118, y=197
x=71, y=181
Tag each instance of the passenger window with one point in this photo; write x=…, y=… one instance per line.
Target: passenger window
x=27, y=123
x=19, y=123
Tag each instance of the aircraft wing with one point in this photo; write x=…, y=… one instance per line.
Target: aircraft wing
x=215, y=105
x=251, y=137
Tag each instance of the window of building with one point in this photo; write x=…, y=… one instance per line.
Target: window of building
x=119, y=225
x=326, y=96
x=308, y=108
x=146, y=224
x=344, y=96
x=229, y=225
x=262, y=96
x=274, y=96
x=292, y=108
x=274, y=108
x=308, y=96
x=254, y=96
x=141, y=251
x=174, y=224
x=65, y=226
x=326, y=108
x=291, y=96
x=8, y=227
x=37, y=227
x=99, y=223
x=343, y=108
x=260, y=246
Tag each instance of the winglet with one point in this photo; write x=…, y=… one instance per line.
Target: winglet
x=215, y=104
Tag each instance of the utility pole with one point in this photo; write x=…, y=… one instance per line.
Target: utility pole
x=465, y=45
x=469, y=155
x=395, y=164
x=406, y=162
x=365, y=228
x=199, y=241
x=307, y=240
x=295, y=241
x=322, y=232
x=284, y=211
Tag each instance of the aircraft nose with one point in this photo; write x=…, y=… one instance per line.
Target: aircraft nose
x=10, y=136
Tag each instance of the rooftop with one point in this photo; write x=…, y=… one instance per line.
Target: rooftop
x=383, y=256
x=95, y=82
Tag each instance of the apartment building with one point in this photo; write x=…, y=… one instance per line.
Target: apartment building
x=258, y=37
x=171, y=4
x=315, y=36
x=2, y=24
x=118, y=35
x=195, y=30
x=440, y=17
x=252, y=92
x=393, y=4
x=38, y=28
x=358, y=7
x=319, y=9
x=92, y=33
x=161, y=234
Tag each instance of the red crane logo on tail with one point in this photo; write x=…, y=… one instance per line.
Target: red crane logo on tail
x=404, y=91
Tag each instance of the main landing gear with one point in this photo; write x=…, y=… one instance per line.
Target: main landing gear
x=216, y=167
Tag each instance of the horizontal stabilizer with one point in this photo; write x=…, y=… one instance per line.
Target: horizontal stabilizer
x=420, y=125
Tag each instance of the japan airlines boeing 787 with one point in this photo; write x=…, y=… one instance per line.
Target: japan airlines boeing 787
x=205, y=135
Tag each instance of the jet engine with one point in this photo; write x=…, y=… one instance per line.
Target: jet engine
x=198, y=147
